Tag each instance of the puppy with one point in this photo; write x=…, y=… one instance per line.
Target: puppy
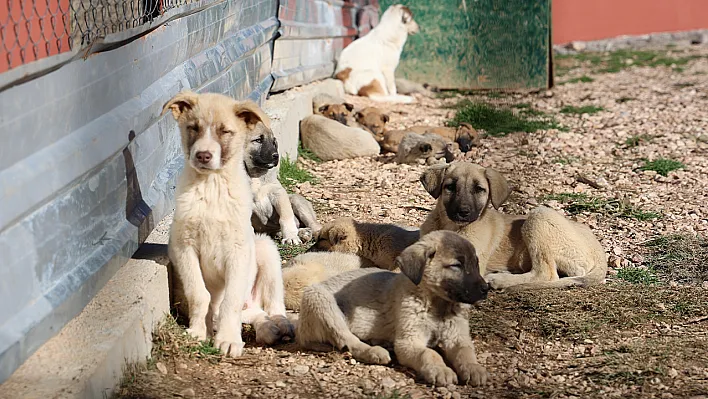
x=367, y=66
x=341, y=113
x=380, y=244
x=391, y=139
x=372, y=120
x=320, y=99
x=273, y=209
x=405, y=86
x=539, y=250
x=312, y=268
x=212, y=244
x=427, y=147
x=465, y=135
x=422, y=308
x=330, y=140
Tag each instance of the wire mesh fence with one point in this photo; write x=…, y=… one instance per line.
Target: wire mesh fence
x=35, y=29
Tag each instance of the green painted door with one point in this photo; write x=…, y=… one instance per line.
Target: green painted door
x=478, y=44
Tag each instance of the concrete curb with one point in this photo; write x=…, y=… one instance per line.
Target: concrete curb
x=88, y=357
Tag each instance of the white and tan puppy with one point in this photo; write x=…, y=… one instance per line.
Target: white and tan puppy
x=212, y=244
x=367, y=66
x=424, y=307
x=516, y=252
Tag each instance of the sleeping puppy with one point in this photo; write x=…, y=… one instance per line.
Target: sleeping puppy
x=516, y=252
x=367, y=66
x=427, y=147
x=273, y=209
x=465, y=135
x=424, y=307
x=341, y=113
x=372, y=120
x=379, y=243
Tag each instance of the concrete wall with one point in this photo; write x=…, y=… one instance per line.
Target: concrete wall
x=585, y=20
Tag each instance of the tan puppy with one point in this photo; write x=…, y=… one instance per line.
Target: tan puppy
x=315, y=267
x=422, y=308
x=378, y=243
x=405, y=86
x=212, y=244
x=426, y=147
x=465, y=135
x=372, y=120
x=391, y=139
x=330, y=140
x=341, y=113
x=539, y=250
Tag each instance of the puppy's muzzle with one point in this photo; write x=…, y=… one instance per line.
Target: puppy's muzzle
x=203, y=157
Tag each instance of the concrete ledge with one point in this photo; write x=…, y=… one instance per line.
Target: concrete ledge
x=89, y=355
x=287, y=109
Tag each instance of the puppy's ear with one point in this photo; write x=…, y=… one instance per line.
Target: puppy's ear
x=251, y=113
x=412, y=261
x=432, y=179
x=425, y=147
x=385, y=118
x=180, y=103
x=498, y=187
x=323, y=108
x=337, y=234
x=348, y=106
x=358, y=115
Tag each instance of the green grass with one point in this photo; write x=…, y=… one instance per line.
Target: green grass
x=637, y=139
x=587, y=109
x=498, y=121
x=637, y=275
x=577, y=203
x=662, y=166
x=306, y=153
x=581, y=79
x=291, y=174
x=682, y=257
x=288, y=252
x=618, y=60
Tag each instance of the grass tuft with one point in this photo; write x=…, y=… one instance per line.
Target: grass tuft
x=306, y=153
x=682, y=257
x=587, y=109
x=291, y=174
x=662, y=166
x=577, y=203
x=637, y=139
x=500, y=121
x=619, y=60
x=580, y=79
x=637, y=275
x=288, y=252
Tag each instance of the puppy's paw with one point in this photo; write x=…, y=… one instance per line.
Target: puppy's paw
x=305, y=234
x=472, y=374
x=198, y=332
x=229, y=347
x=285, y=327
x=438, y=375
x=267, y=333
x=500, y=281
x=373, y=355
x=291, y=238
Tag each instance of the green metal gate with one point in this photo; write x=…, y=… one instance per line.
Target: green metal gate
x=479, y=44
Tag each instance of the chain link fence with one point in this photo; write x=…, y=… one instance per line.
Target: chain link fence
x=34, y=29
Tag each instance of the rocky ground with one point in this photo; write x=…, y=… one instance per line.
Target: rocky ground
x=623, y=122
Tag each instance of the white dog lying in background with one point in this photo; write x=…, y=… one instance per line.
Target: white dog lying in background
x=367, y=66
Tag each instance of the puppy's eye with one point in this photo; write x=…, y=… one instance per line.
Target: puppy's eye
x=450, y=187
x=456, y=265
x=479, y=190
x=193, y=128
x=226, y=132
x=259, y=139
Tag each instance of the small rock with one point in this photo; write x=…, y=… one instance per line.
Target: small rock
x=161, y=367
x=352, y=361
x=705, y=285
x=187, y=393
x=577, y=46
x=456, y=395
x=280, y=384
x=182, y=366
x=388, y=383
x=673, y=373
x=673, y=284
x=548, y=94
x=300, y=369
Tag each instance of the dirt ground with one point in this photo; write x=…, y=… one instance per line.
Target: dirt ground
x=643, y=334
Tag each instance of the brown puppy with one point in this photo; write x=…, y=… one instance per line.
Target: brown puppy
x=391, y=139
x=378, y=243
x=539, y=250
x=341, y=113
x=422, y=309
x=373, y=120
x=465, y=135
x=428, y=147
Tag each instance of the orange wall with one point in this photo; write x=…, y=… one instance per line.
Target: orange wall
x=602, y=19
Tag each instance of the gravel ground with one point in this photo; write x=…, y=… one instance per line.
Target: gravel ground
x=643, y=334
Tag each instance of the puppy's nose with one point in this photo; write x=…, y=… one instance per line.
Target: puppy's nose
x=464, y=212
x=484, y=288
x=274, y=156
x=204, y=156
